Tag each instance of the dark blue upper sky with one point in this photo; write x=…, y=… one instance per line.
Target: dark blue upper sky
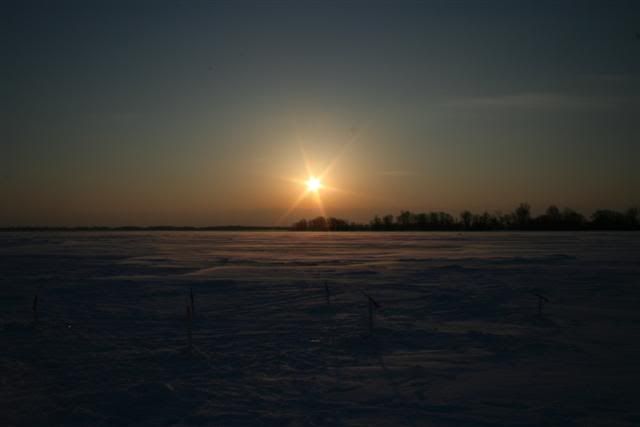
x=198, y=112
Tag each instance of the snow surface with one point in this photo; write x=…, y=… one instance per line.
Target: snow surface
x=457, y=341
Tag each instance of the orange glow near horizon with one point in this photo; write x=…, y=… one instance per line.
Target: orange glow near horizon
x=315, y=182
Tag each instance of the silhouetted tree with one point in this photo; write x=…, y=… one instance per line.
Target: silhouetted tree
x=520, y=219
x=376, y=223
x=495, y=221
x=445, y=221
x=523, y=215
x=551, y=219
x=482, y=222
x=605, y=219
x=300, y=225
x=554, y=214
x=337, y=224
x=387, y=220
x=572, y=220
x=318, y=224
x=467, y=219
x=507, y=220
x=421, y=221
x=404, y=220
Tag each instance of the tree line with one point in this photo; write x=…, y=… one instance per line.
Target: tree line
x=520, y=219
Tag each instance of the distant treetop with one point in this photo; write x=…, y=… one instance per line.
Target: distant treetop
x=519, y=219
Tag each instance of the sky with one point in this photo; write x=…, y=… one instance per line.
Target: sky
x=209, y=113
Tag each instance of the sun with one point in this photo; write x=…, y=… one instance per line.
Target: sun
x=313, y=184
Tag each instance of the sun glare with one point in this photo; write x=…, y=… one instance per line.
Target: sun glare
x=313, y=184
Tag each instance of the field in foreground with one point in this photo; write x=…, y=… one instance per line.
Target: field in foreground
x=457, y=339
